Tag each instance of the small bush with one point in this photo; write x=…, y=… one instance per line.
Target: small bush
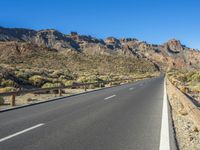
x=7, y=89
x=68, y=82
x=50, y=85
x=89, y=79
x=195, y=77
x=37, y=80
x=57, y=74
x=24, y=75
x=105, y=78
x=6, y=83
x=182, y=78
x=82, y=79
x=195, y=89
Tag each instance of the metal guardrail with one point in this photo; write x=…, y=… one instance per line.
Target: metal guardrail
x=46, y=89
x=59, y=89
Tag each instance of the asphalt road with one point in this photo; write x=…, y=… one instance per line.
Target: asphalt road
x=126, y=117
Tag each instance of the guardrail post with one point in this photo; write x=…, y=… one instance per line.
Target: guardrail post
x=100, y=85
x=60, y=92
x=85, y=88
x=13, y=100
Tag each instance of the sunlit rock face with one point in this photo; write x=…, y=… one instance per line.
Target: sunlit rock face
x=174, y=46
x=172, y=54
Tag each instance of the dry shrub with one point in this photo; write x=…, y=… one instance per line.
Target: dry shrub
x=7, y=89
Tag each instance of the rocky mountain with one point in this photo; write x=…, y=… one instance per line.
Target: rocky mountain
x=21, y=42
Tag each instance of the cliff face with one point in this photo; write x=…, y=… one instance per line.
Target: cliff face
x=171, y=54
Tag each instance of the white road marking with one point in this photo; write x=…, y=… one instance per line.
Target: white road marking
x=164, y=134
x=132, y=88
x=21, y=132
x=109, y=97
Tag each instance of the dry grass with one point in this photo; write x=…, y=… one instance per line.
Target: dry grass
x=188, y=82
x=50, y=69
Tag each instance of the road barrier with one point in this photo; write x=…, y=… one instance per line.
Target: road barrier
x=187, y=103
x=59, y=89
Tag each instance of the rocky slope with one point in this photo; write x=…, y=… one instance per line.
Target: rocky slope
x=22, y=42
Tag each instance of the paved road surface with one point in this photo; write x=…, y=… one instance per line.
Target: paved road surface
x=126, y=117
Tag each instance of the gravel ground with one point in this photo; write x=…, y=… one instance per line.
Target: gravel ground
x=187, y=135
x=33, y=98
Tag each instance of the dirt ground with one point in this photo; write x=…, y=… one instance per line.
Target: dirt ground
x=187, y=135
x=34, y=98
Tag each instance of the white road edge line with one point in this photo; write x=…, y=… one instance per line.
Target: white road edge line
x=164, y=134
x=21, y=132
x=109, y=97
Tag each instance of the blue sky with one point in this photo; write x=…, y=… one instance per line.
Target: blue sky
x=154, y=21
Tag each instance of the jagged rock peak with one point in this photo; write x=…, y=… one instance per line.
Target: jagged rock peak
x=111, y=40
x=128, y=39
x=174, y=45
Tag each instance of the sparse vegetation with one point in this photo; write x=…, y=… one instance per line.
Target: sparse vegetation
x=49, y=85
x=187, y=81
x=7, y=89
x=53, y=69
x=37, y=80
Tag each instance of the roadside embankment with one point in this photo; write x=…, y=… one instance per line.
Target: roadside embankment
x=184, y=113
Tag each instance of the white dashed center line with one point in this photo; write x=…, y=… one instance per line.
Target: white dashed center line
x=21, y=132
x=132, y=88
x=109, y=97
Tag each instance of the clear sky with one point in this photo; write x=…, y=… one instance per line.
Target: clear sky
x=154, y=21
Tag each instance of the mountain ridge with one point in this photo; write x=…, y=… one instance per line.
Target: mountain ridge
x=171, y=54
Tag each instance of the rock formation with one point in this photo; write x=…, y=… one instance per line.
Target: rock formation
x=172, y=54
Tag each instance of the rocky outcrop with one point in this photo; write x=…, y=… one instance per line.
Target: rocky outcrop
x=174, y=46
x=171, y=54
x=16, y=34
x=13, y=51
x=46, y=38
x=54, y=40
x=112, y=43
